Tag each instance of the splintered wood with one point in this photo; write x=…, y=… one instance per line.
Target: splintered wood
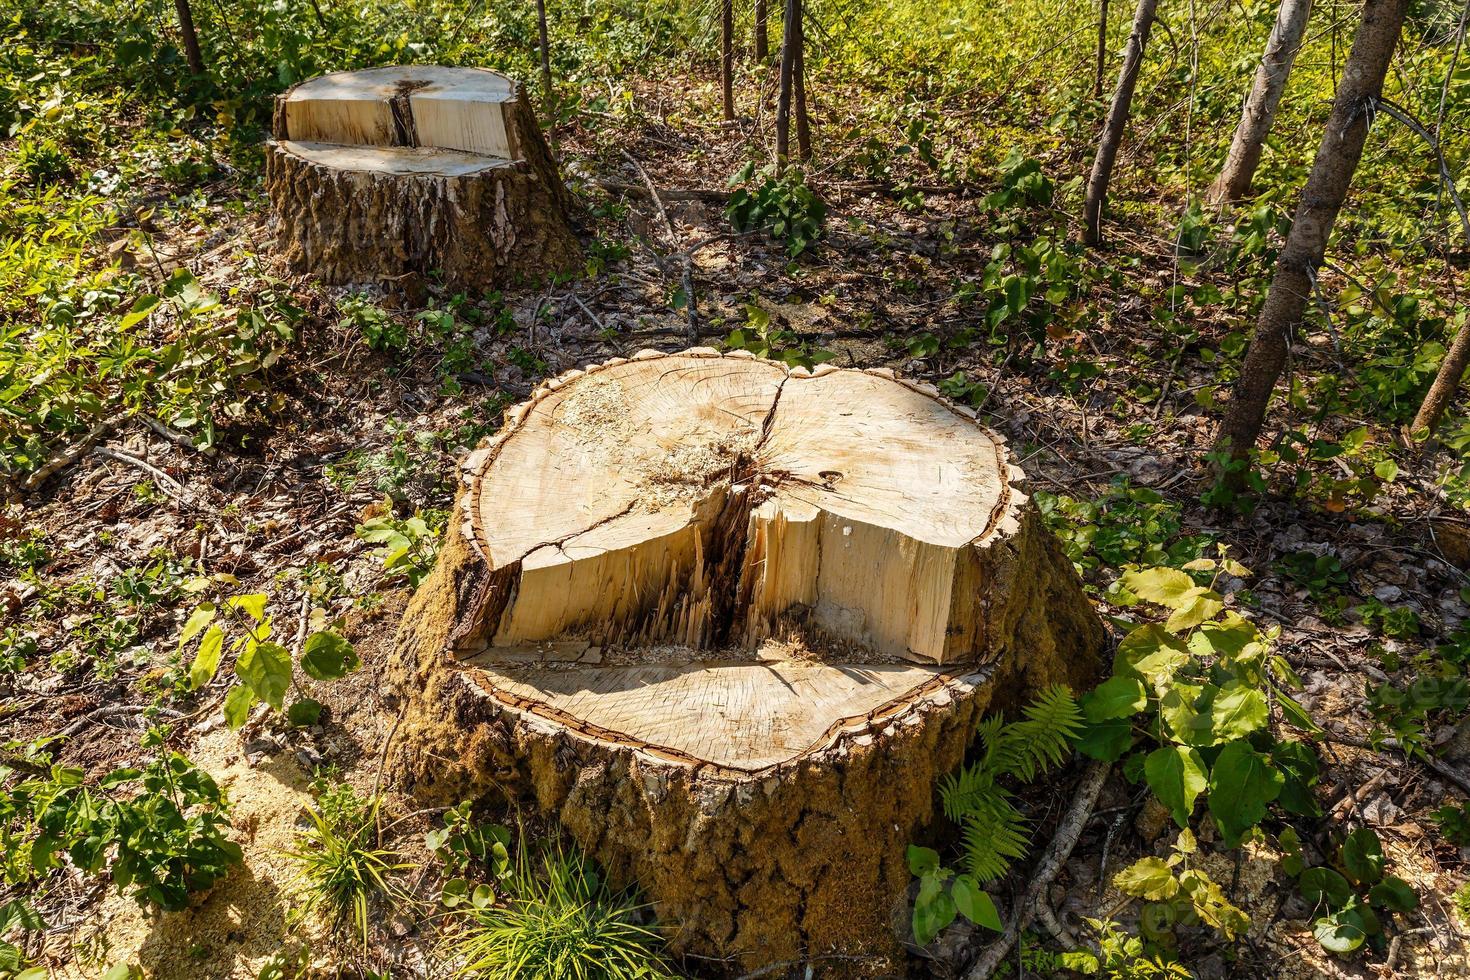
x=392, y=174
x=729, y=623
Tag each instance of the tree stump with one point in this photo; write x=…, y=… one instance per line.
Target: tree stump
x=395, y=174
x=729, y=623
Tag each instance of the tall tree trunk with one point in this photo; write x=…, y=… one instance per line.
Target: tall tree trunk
x=1117, y=121
x=727, y=57
x=1321, y=199
x=789, y=35
x=1234, y=181
x=762, y=45
x=798, y=86
x=1446, y=382
x=1102, y=48
x=190, y=36
x=546, y=91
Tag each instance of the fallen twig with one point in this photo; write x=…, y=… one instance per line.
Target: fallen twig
x=1443, y=768
x=113, y=711
x=165, y=482
x=1046, y=870
x=710, y=194
x=69, y=455
x=686, y=261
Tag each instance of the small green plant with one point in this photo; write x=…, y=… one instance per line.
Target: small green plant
x=1355, y=896
x=25, y=550
x=16, y=915
x=1176, y=894
x=764, y=338
x=1407, y=713
x=1021, y=183
x=263, y=669
x=1127, y=525
x=161, y=843
x=977, y=799
x=466, y=846
x=1120, y=956
x=1197, y=691
x=378, y=328
x=1397, y=622
x=407, y=547
x=559, y=921
x=1321, y=575
x=344, y=870
x=1454, y=823
x=777, y=200
x=1462, y=902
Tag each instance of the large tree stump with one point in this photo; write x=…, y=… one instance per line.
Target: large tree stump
x=394, y=174
x=729, y=623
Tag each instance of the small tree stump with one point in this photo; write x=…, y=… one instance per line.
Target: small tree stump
x=394, y=174
x=729, y=623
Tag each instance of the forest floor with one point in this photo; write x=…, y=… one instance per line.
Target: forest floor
x=276, y=506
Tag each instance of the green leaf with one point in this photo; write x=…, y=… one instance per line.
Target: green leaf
x=1152, y=653
x=974, y=904
x=1395, y=894
x=1165, y=586
x=144, y=306
x=201, y=617
x=1237, y=710
x=266, y=668
x=1242, y=783
x=1296, y=715
x=1298, y=764
x=206, y=659
x=1342, y=932
x=933, y=910
x=1193, y=610
x=1362, y=856
x=328, y=656
x=1323, y=886
x=119, y=971
x=253, y=605
x=1176, y=774
x=1149, y=878
x=1116, y=697
x=304, y=712
x=1183, y=717
x=238, y=704
x=923, y=860
x=1106, y=741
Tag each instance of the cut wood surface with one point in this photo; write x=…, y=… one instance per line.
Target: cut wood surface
x=397, y=173
x=696, y=601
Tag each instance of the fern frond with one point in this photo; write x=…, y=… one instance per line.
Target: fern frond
x=1043, y=739
x=962, y=792
x=995, y=835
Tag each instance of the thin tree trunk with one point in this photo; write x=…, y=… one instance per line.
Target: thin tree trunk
x=1446, y=383
x=1321, y=199
x=798, y=86
x=545, y=46
x=1102, y=48
x=762, y=45
x=789, y=37
x=1117, y=121
x=190, y=36
x=1259, y=111
x=727, y=56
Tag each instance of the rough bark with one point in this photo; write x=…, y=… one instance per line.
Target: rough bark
x=1322, y=197
x=755, y=859
x=1446, y=383
x=1117, y=121
x=190, y=37
x=798, y=90
x=727, y=57
x=1259, y=110
x=391, y=204
x=762, y=44
x=548, y=92
x=789, y=39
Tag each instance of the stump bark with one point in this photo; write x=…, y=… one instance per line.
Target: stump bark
x=394, y=175
x=729, y=623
